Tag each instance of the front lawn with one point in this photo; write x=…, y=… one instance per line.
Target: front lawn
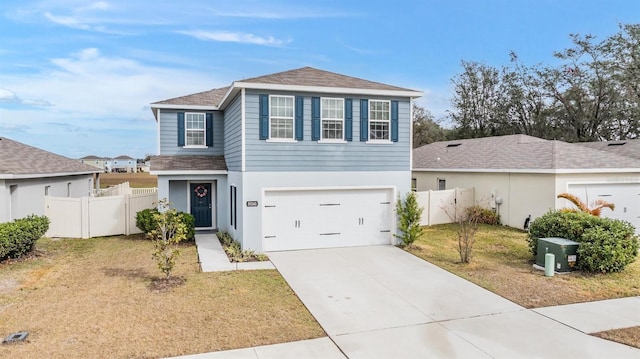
x=91, y=298
x=502, y=263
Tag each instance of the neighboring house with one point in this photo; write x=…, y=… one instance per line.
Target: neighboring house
x=521, y=175
x=299, y=159
x=27, y=174
x=123, y=164
x=95, y=161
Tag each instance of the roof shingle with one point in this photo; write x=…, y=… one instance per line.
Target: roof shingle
x=19, y=159
x=515, y=152
x=188, y=163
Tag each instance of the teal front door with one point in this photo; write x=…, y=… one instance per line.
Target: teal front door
x=201, y=207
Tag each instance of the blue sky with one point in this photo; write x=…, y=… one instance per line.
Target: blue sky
x=77, y=77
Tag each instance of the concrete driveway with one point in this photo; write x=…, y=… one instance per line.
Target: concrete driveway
x=381, y=302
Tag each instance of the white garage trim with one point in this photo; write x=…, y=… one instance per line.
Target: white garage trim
x=324, y=217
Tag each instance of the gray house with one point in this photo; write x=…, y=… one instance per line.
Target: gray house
x=298, y=159
x=122, y=163
x=27, y=174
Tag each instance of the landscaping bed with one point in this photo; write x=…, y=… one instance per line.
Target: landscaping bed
x=94, y=297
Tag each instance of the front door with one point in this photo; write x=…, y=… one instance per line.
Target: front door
x=201, y=204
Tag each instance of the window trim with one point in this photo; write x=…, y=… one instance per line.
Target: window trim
x=342, y=120
x=293, y=120
x=204, y=130
x=442, y=181
x=370, y=122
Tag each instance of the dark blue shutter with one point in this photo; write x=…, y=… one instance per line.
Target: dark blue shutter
x=264, y=116
x=348, y=119
x=180, y=129
x=209, y=134
x=315, y=118
x=299, y=118
x=364, y=120
x=394, y=121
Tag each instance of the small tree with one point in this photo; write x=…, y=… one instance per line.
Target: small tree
x=170, y=230
x=467, y=228
x=594, y=210
x=409, y=213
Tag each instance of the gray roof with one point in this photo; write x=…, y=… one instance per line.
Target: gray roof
x=188, y=163
x=206, y=98
x=305, y=76
x=19, y=159
x=629, y=148
x=515, y=152
x=309, y=76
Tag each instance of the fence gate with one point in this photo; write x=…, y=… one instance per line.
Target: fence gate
x=444, y=206
x=88, y=217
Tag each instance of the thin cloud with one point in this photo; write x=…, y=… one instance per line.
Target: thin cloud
x=9, y=97
x=281, y=14
x=238, y=37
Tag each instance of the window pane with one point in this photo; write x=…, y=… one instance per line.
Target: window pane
x=281, y=128
x=332, y=129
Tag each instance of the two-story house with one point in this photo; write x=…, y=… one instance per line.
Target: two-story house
x=298, y=159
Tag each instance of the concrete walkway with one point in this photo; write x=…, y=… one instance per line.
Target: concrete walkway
x=381, y=302
x=212, y=257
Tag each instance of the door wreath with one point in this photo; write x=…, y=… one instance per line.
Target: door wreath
x=200, y=191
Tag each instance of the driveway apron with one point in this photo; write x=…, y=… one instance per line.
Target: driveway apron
x=382, y=302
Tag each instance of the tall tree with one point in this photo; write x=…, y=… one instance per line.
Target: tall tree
x=425, y=128
x=478, y=103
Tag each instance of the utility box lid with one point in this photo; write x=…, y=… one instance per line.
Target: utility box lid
x=559, y=241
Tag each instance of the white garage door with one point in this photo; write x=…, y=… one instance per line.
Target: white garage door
x=326, y=218
x=625, y=196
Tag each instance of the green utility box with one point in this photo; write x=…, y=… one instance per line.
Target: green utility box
x=564, y=250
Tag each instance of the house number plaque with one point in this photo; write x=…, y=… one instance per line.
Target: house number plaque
x=252, y=203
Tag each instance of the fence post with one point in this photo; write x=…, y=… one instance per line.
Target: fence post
x=85, y=223
x=127, y=214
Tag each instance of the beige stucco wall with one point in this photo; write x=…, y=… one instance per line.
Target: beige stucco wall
x=522, y=194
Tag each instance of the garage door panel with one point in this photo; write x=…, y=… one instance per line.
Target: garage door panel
x=625, y=197
x=326, y=218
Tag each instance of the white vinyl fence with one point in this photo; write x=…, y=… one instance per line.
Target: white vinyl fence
x=444, y=206
x=88, y=217
x=122, y=189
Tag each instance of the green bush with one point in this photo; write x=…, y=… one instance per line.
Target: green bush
x=225, y=238
x=145, y=220
x=234, y=251
x=409, y=215
x=482, y=215
x=17, y=238
x=606, y=245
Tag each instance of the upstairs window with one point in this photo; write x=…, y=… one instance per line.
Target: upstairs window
x=379, y=120
x=195, y=128
x=281, y=117
x=332, y=119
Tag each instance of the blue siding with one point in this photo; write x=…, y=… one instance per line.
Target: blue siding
x=313, y=156
x=169, y=135
x=233, y=133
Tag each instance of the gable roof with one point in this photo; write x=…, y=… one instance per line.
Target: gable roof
x=18, y=160
x=629, y=148
x=123, y=157
x=518, y=153
x=305, y=79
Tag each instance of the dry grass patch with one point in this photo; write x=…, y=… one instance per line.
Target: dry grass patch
x=502, y=263
x=628, y=336
x=96, y=298
x=136, y=180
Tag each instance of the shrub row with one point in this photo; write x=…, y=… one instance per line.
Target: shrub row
x=606, y=245
x=145, y=220
x=234, y=251
x=18, y=237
